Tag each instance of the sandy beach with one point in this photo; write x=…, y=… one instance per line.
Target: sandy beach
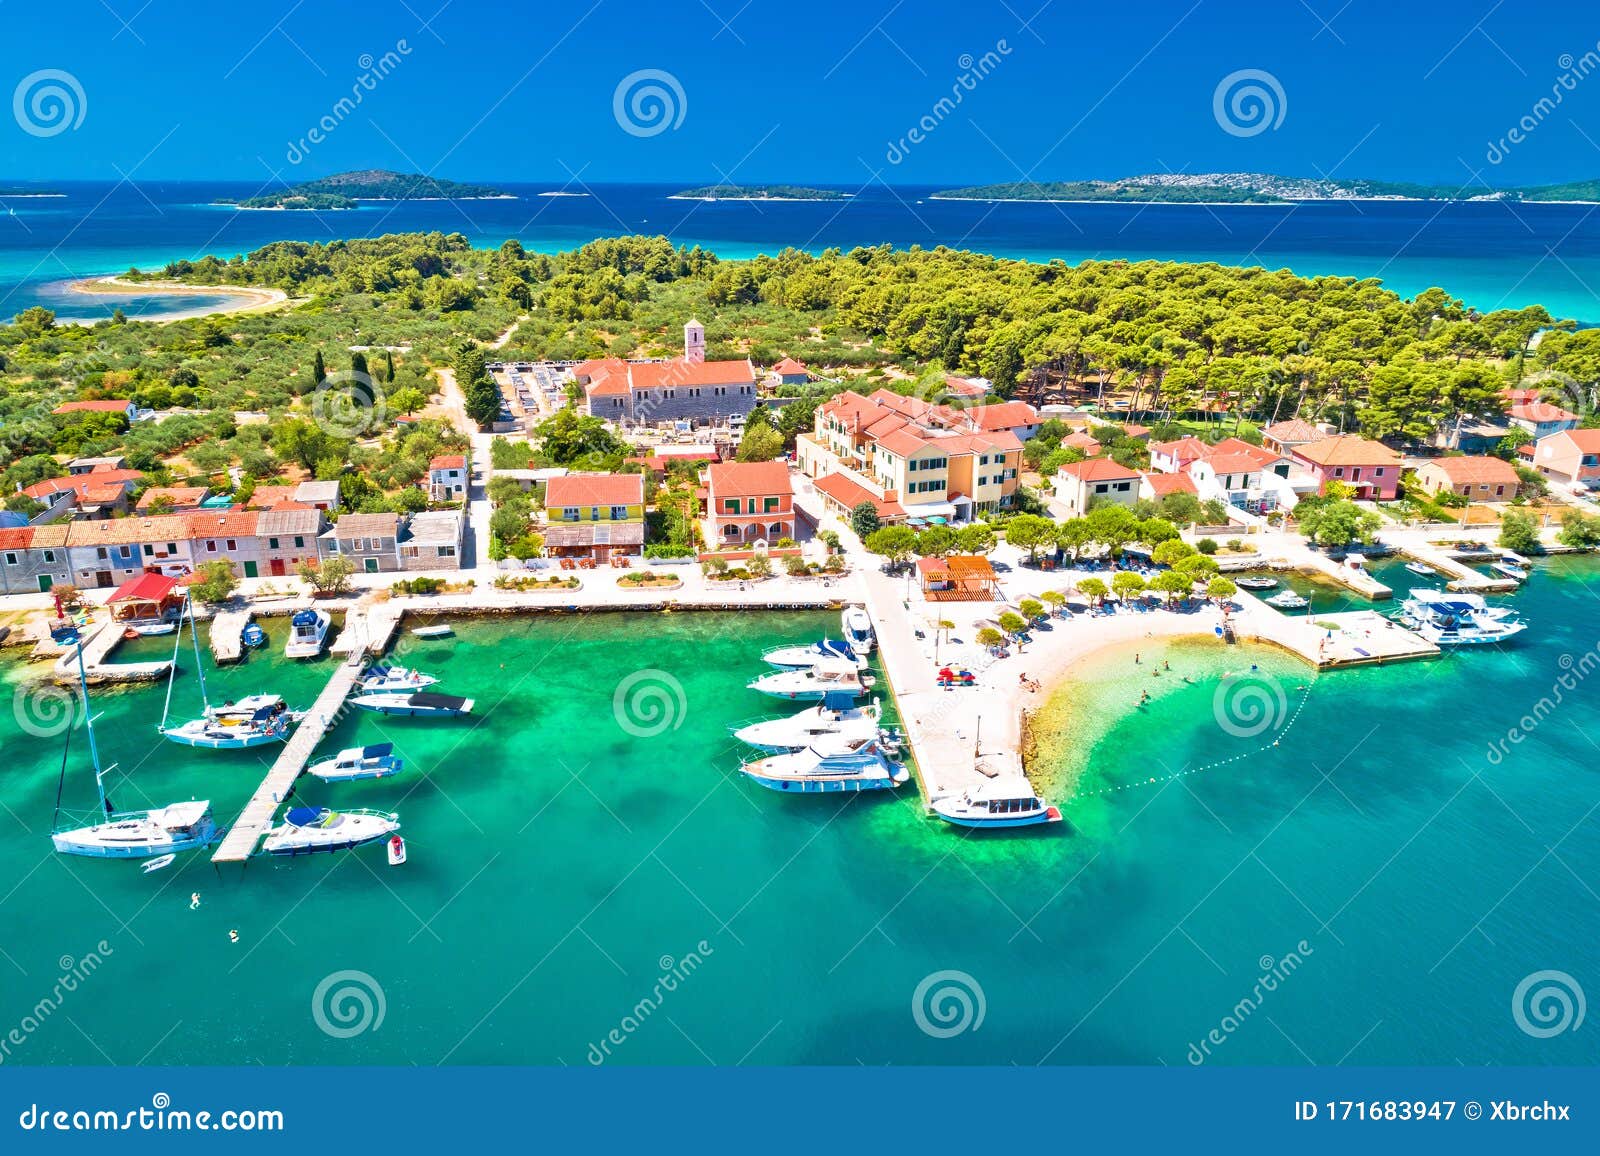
x=242, y=299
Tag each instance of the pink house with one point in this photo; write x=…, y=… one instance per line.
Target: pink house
x=1371, y=467
x=749, y=502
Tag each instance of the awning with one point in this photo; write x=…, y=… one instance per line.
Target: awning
x=145, y=588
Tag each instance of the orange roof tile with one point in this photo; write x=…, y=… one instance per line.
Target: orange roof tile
x=750, y=480
x=594, y=490
x=1475, y=470
x=1348, y=450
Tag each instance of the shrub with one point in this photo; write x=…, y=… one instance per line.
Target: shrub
x=1206, y=545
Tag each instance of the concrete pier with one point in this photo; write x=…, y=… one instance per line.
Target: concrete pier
x=227, y=636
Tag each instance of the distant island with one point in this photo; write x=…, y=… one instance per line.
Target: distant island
x=345, y=190
x=1257, y=189
x=758, y=193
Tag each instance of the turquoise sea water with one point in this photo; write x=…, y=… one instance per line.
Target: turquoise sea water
x=570, y=878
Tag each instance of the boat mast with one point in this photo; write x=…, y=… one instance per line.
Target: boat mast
x=199, y=664
x=88, y=723
x=172, y=673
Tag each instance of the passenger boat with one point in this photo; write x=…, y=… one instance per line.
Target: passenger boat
x=796, y=657
x=373, y=762
x=307, y=830
x=813, y=684
x=829, y=765
x=308, y=633
x=1289, y=600
x=158, y=831
x=1255, y=583
x=1446, y=618
x=253, y=636
x=836, y=716
x=858, y=630
x=1008, y=802
x=419, y=703
x=393, y=679
x=442, y=630
x=1421, y=569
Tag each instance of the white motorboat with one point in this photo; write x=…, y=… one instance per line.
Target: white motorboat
x=1289, y=600
x=440, y=631
x=829, y=765
x=1508, y=570
x=1003, y=802
x=393, y=680
x=811, y=685
x=1255, y=582
x=158, y=831
x=1448, y=618
x=151, y=629
x=858, y=630
x=372, y=762
x=797, y=657
x=1421, y=569
x=420, y=703
x=836, y=716
x=307, y=830
x=308, y=633
x=159, y=863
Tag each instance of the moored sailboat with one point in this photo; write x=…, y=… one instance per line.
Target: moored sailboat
x=252, y=721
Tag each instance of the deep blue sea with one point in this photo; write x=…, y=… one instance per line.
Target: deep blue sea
x=1490, y=255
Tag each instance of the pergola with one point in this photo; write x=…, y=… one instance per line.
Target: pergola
x=149, y=597
x=961, y=578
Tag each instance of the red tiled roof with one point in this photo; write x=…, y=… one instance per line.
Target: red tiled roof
x=678, y=372
x=93, y=407
x=851, y=494
x=1348, y=450
x=1541, y=411
x=177, y=495
x=594, y=490
x=1293, y=430
x=1475, y=471
x=15, y=537
x=222, y=524
x=1163, y=484
x=448, y=462
x=145, y=588
x=1081, y=441
x=1099, y=470
x=788, y=367
x=750, y=480
x=1231, y=463
x=961, y=387
x=1005, y=415
x=1584, y=440
x=1187, y=449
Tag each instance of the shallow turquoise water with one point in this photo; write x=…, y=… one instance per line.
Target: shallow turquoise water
x=561, y=866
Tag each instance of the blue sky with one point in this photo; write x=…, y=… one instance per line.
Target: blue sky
x=823, y=91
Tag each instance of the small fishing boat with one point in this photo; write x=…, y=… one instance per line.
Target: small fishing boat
x=150, y=629
x=829, y=765
x=253, y=636
x=307, y=830
x=1421, y=569
x=813, y=684
x=1508, y=570
x=1255, y=582
x=419, y=703
x=393, y=680
x=308, y=633
x=837, y=716
x=796, y=657
x=159, y=863
x=1447, y=618
x=397, y=850
x=373, y=762
x=997, y=803
x=1289, y=600
x=858, y=631
x=440, y=631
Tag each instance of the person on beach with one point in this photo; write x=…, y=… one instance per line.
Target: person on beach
x=1136, y=658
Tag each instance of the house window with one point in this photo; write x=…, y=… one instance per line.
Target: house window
x=769, y=504
x=1378, y=473
x=618, y=513
x=1338, y=471
x=233, y=543
x=569, y=513
x=50, y=556
x=447, y=551
x=149, y=550
x=211, y=546
x=11, y=559
x=100, y=552
x=272, y=543
x=730, y=505
x=594, y=513
x=299, y=541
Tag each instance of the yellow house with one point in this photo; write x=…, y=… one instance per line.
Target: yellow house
x=594, y=516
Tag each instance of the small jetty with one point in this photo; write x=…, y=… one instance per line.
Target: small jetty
x=367, y=629
x=227, y=636
x=256, y=818
x=1451, y=563
x=1347, y=638
x=97, y=648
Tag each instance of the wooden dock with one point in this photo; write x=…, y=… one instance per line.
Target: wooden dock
x=367, y=630
x=227, y=636
x=256, y=818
